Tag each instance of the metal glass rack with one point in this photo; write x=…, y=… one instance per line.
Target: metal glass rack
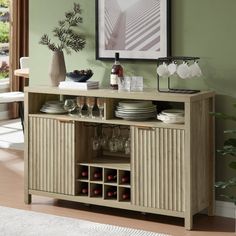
x=169, y=60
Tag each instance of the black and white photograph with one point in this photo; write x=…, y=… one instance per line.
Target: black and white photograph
x=135, y=28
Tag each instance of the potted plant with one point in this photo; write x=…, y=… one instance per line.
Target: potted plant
x=68, y=39
x=228, y=150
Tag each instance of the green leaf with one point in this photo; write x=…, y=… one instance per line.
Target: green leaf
x=223, y=116
x=230, y=142
x=225, y=184
x=233, y=131
x=220, y=184
x=227, y=151
x=233, y=165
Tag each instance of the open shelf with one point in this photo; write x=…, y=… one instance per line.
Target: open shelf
x=114, y=121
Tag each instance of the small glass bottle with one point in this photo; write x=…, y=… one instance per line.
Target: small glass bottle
x=116, y=72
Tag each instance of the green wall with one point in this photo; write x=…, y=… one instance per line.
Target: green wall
x=204, y=28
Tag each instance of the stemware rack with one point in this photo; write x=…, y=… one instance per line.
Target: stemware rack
x=169, y=88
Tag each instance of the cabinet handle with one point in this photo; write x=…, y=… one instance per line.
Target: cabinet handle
x=145, y=128
x=66, y=121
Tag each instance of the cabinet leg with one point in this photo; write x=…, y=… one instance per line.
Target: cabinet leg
x=211, y=209
x=28, y=198
x=188, y=223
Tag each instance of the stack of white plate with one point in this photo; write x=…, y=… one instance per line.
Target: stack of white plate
x=135, y=110
x=53, y=107
x=172, y=116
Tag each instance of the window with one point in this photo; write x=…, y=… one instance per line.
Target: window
x=4, y=38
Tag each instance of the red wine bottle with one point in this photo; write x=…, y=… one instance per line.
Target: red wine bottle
x=97, y=175
x=116, y=72
x=111, y=177
x=97, y=191
x=84, y=173
x=84, y=190
x=125, y=196
x=125, y=179
x=111, y=193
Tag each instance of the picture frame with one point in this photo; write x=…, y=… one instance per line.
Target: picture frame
x=137, y=29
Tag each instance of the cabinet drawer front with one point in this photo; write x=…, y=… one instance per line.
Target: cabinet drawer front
x=51, y=155
x=157, y=165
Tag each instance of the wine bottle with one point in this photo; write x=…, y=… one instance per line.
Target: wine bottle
x=97, y=175
x=97, y=191
x=125, y=196
x=125, y=179
x=111, y=193
x=111, y=177
x=84, y=173
x=116, y=72
x=84, y=190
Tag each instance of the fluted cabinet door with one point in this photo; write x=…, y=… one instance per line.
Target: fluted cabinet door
x=51, y=155
x=157, y=163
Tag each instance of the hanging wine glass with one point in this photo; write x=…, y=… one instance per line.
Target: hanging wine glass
x=70, y=105
x=120, y=140
x=113, y=147
x=96, y=141
x=103, y=140
x=127, y=145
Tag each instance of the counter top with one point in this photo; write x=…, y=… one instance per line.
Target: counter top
x=147, y=94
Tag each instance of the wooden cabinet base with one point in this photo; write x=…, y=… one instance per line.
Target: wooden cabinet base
x=168, y=168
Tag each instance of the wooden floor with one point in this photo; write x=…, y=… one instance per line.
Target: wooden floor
x=11, y=195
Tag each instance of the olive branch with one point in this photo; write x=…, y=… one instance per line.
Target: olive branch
x=68, y=38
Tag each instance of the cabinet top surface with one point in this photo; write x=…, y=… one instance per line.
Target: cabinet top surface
x=147, y=94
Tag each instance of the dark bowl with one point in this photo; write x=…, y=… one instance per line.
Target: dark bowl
x=78, y=78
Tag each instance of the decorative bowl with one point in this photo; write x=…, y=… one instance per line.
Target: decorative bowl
x=80, y=76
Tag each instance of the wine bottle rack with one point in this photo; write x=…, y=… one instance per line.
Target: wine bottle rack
x=101, y=181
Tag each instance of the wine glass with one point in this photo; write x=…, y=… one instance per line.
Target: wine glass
x=90, y=104
x=100, y=104
x=120, y=140
x=127, y=145
x=80, y=103
x=70, y=105
x=113, y=144
x=96, y=141
x=103, y=140
x=84, y=109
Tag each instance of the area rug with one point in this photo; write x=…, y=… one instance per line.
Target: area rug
x=14, y=222
x=11, y=134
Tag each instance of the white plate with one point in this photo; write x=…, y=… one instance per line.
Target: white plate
x=147, y=109
x=52, y=111
x=136, y=112
x=52, y=108
x=54, y=103
x=171, y=120
x=135, y=104
x=134, y=118
x=173, y=112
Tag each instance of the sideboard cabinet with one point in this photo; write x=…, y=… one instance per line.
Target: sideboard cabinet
x=169, y=169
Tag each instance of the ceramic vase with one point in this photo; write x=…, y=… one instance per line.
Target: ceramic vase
x=57, y=70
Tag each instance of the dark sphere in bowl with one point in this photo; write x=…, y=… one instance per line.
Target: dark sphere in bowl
x=80, y=76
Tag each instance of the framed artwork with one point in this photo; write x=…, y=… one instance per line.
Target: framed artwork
x=137, y=29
